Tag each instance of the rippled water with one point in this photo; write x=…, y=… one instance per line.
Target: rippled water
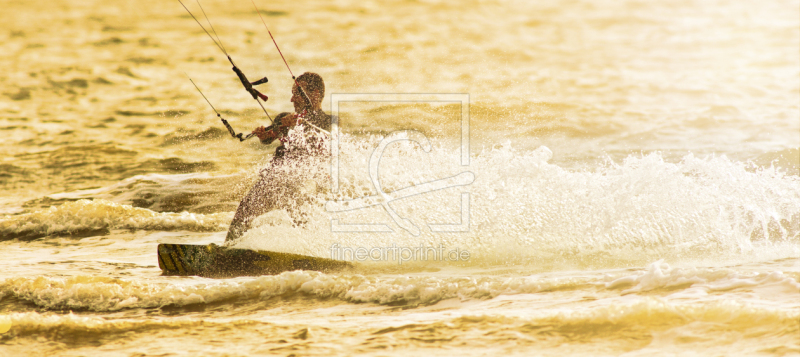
x=636, y=188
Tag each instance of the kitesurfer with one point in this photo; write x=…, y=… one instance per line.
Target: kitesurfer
x=279, y=184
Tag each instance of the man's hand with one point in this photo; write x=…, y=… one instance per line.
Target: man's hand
x=265, y=135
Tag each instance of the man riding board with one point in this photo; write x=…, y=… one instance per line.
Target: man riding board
x=278, y=186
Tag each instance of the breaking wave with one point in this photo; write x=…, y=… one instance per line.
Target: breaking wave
x=90, y=216
x=111, y=294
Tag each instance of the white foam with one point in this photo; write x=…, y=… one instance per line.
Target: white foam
x=660, y=275
x=110, y=294
x=525, y=209
x=84, y=215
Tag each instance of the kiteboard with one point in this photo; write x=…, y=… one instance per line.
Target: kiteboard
x=222, y=262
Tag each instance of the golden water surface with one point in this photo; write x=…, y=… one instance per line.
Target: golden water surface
x=636, y=177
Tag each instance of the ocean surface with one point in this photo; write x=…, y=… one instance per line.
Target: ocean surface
x=633, y=178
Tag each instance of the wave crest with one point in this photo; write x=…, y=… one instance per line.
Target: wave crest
x=85, y=217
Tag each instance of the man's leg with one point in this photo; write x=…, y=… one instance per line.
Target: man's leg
x=252, y=205
x=272, y=191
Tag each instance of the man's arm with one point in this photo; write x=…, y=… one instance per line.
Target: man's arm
x=266, y=134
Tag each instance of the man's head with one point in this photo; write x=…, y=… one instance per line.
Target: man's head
x=314, y=87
